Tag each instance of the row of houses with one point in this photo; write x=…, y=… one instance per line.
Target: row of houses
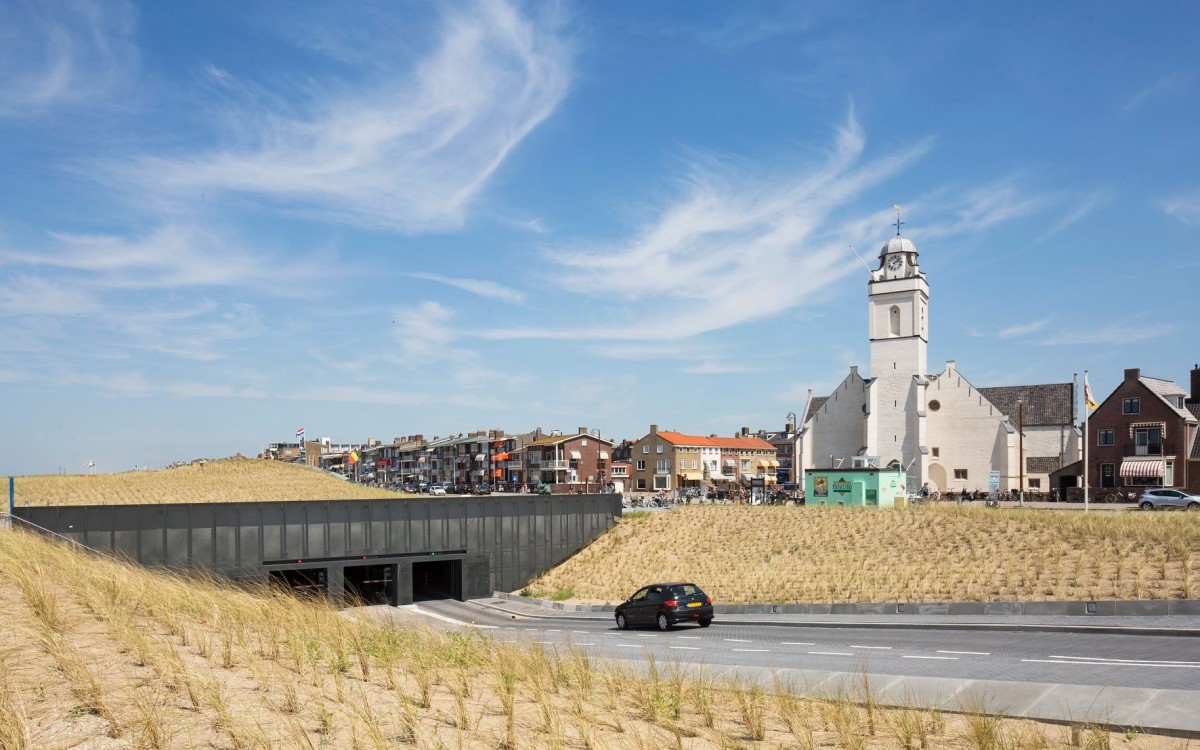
x=1143, y=434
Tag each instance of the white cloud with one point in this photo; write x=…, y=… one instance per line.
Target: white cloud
x=410, y=150
x=982, y=208
x=1023, y=329
x=189, y=389
x=56, y=53
x=1174, y=84
x=118, y=384
x=1185, y=208
x=489, y=289
x=733, y=247
x=1112, y=334
x=1087, y=204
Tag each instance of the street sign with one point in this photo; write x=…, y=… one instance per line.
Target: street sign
x=993, y=480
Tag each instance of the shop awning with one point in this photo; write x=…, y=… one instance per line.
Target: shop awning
x=603, y=455
x=1133, y=428
x=691, y=476
x=575, y=455
x=480, y=457
x=421, y=460
x=1143, y=468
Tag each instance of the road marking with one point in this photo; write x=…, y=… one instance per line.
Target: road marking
x=647, y=635
x=881, y=648
x=947, y=658
x=552, y=631
x=687, y=648
x=581, y=632
x=443, y=618
x=1112, y=663
x=752, y=650
x=831, y=653
x=796, y=643
x=1120, y=661
x=628, y=645
x=738, y=640
x=689, y=637
x=968, y=653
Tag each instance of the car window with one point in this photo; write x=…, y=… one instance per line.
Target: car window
x=656, y=593
x=640, y=595
x=686, y=589
x=1172, y=493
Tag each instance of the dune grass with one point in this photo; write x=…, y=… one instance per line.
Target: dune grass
x=95, y=654
x=759, y=555
x=225, y=480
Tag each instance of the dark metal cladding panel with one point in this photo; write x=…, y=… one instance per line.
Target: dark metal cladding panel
x=418, y=527
x=97, y=526
x=203, y=520
x=317, y=518
x=295, y=533
x=338, y=515
x=152, y=536
x=179, y=528
x=456, y=513
x=404, y=582
x=250, y=528
x=478, y=581
x=273, y=524
x=125, y=521
x=225, y=536
x=377, y=526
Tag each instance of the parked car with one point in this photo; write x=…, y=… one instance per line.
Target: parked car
x=461, y=488
x=483, y=489
x=1154, y=498
x=437, y=489
x=665, y=604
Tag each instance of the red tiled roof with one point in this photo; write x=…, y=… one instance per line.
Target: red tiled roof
x=752, y=443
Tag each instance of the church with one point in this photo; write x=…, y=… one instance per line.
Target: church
x=939, y=428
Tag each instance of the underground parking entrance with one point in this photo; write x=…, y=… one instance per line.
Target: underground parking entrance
x=301, y=581
x=370, y=584
x=436, y=579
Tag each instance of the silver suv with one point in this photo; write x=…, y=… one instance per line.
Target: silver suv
x=1167, y=497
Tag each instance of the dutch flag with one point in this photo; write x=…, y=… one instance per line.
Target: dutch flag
x=300, y=432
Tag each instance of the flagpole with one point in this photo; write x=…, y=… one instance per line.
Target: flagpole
x=1086, y=411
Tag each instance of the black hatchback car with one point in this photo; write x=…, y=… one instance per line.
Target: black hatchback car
x=665, y=604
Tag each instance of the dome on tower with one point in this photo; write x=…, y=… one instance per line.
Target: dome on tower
x=897, y=245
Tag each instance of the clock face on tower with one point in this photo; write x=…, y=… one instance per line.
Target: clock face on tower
x=895, y=262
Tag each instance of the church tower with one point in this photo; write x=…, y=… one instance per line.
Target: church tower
x=898, y=323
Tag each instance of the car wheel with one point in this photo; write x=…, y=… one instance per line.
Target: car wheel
x=664, y=623
x=622, y=623
x=705, y=623
x=1193, y=506
x=1147, y=505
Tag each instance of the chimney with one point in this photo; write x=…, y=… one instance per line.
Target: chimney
x=854, y=370
x=745, y=431
x=1195, y=384
x=653, y=429
x=949, y=367
x=583, y=431
x=1132, y=374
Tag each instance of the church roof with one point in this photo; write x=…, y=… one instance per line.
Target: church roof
x=897, y=245
x=815, y=406
x=1048, y=404
x=1042, y=464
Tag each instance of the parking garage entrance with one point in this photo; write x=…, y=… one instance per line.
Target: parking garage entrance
x=303, y=582
x=371, y=584
x=437, y=579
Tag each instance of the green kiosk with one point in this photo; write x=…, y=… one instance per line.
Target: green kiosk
x=869, y=487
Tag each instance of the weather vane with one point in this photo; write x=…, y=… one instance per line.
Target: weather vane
x=898, y=222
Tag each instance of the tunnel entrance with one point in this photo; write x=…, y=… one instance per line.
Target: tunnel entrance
x=305, y=582
x=437, y=579
x=371, y=584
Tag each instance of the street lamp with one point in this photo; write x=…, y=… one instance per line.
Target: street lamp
x=1021, y=451
x=791, y=415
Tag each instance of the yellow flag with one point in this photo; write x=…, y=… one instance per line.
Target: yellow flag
x=1087, y=394
x=353, y=457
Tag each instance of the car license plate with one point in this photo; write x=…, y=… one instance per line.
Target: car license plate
x=694, y=604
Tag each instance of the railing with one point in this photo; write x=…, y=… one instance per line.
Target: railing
x=555, y=464
x=1159, y=449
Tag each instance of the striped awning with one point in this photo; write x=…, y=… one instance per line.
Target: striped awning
x=1142, y=468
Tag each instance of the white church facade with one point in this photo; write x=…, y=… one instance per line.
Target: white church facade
x=939, y=427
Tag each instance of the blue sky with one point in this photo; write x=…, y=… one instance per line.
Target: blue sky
x=221, y=221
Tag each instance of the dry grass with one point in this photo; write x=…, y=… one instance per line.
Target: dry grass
x=224, y=481
x=96, y=654
x=758, y=555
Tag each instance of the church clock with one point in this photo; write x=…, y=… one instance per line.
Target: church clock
x=895, y=263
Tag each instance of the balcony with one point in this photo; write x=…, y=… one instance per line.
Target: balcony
x=555, y=464
x=1157, y=449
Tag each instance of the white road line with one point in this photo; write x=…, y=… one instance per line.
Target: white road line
x=881, y=648
x=647, y=635
x=581, y=632
x=796, y=643
x=688, y=637
x=752, y=650
x=552, y=631
x=1121, y=661
x=946, y=658
x=443, y=618
x=738, y=640
x=1112, y=663
x=968, y=653
x=687, y=648
x=628, y=645
x=831, y=653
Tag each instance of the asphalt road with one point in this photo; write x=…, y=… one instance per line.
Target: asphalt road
x=1118, y=672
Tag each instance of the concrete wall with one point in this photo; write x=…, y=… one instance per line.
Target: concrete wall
x=503, y=541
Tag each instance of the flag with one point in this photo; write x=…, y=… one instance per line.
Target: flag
x=90, y=464
x=353, y=457
x=1087, y=394
x=300, y=432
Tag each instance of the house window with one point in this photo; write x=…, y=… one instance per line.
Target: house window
x=583, y=442
x=683, y=464
x=960, y=473
x=1131, y=406
x=645, y=449
x=1108, y=475
x=695, y=465
x=662, y=467
x=641, y=484
x=662, y=482
x=1148, y=441
x=641, y=465
x=660, y=448
x=937, y=452
x=1035, y=484
x=1105, y=437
